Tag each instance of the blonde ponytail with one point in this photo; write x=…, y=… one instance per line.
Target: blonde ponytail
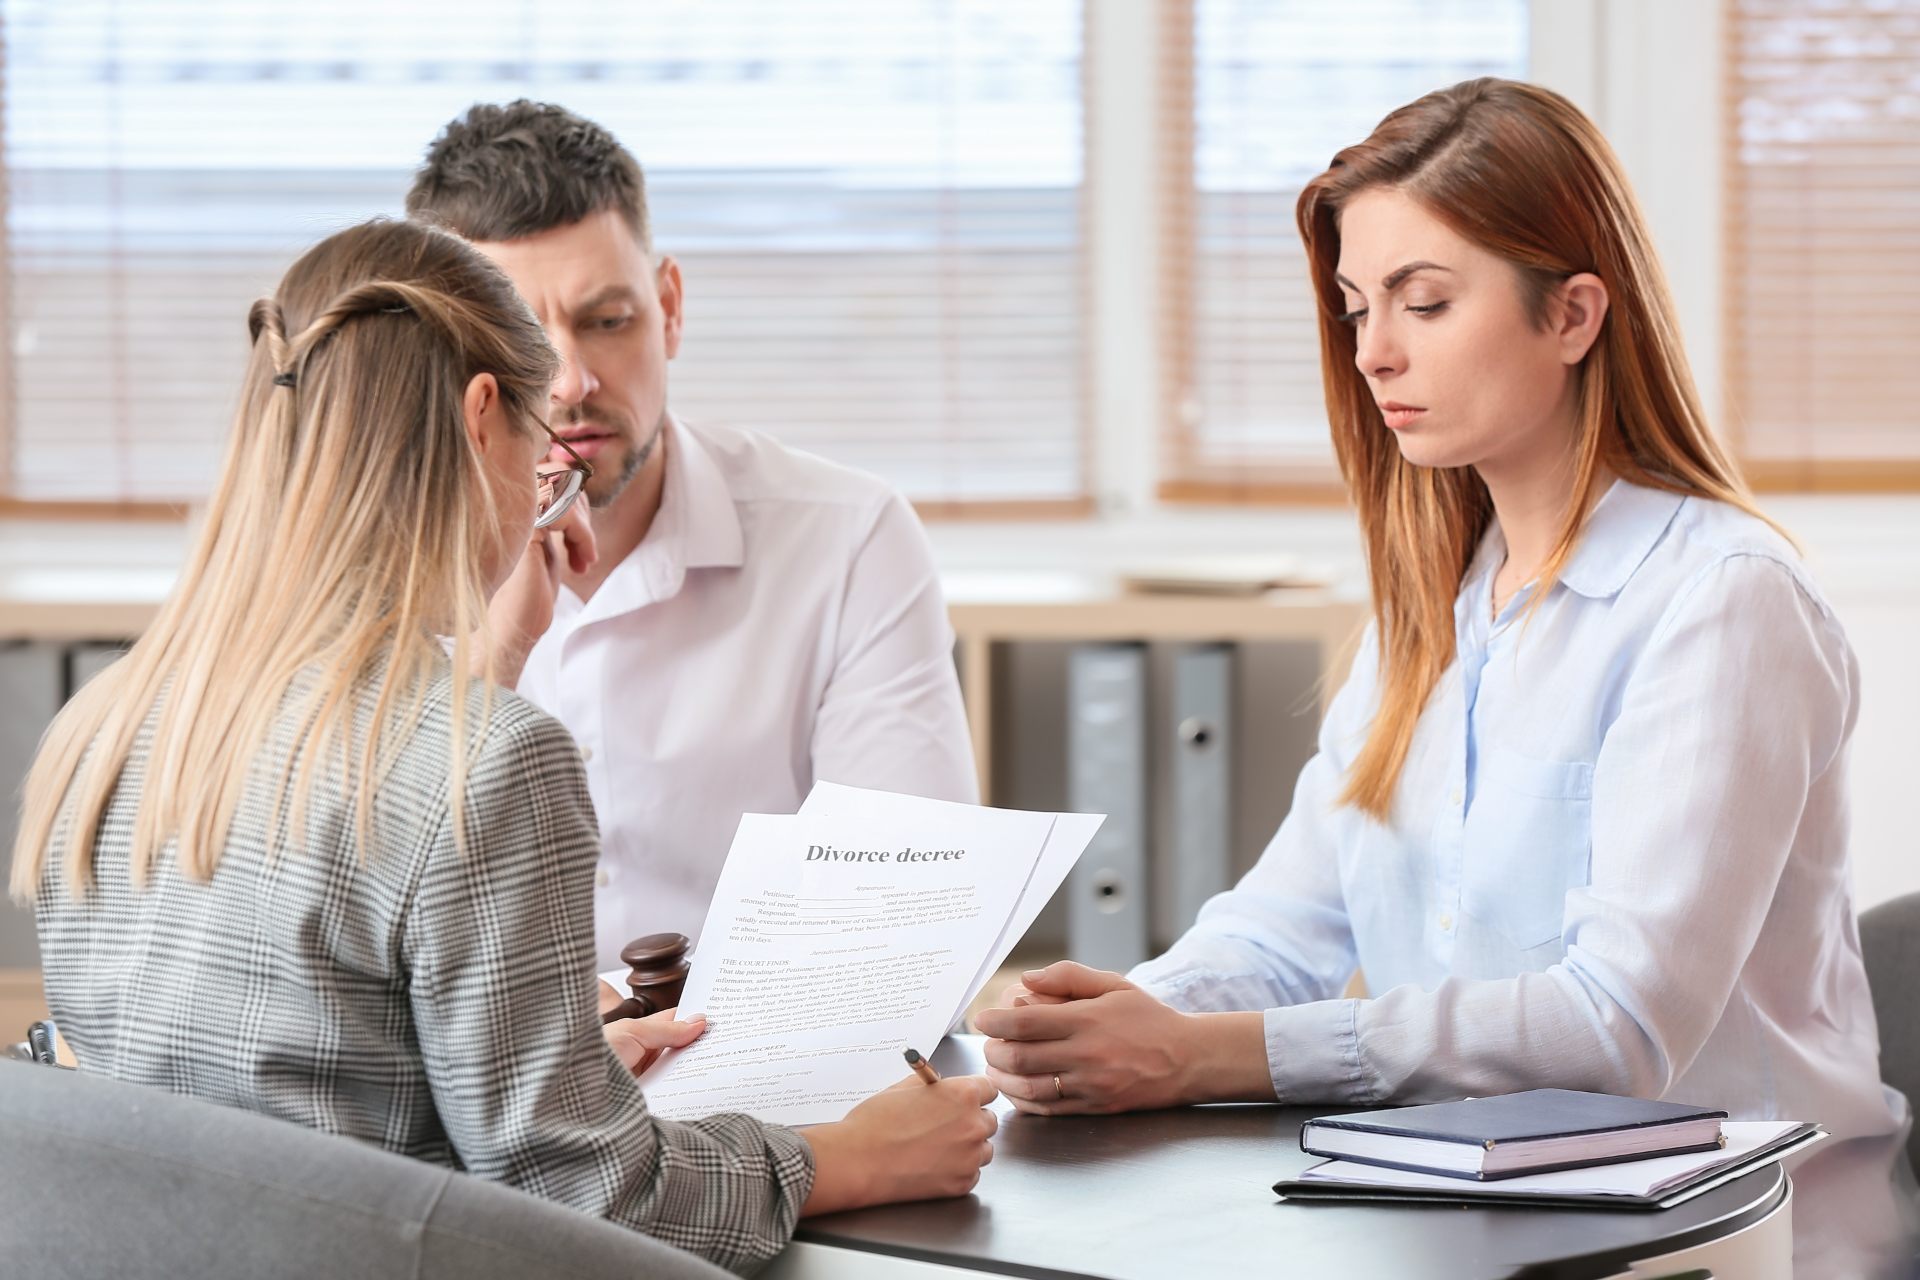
x=342, y=541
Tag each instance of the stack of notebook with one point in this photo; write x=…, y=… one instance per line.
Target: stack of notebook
x=1544, y=1146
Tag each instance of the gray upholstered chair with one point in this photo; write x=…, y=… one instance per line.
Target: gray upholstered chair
x=1890, y=944
x=102, y=1178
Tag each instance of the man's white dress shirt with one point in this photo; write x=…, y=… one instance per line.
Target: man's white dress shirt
x=781, y=622
x=1616, y=860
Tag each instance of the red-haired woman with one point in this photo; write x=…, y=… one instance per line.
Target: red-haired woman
x=1580, y=813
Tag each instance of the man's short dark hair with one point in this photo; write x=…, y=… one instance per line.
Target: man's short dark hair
x=503, y=172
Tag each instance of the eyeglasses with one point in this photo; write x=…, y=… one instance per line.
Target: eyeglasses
x=559, y=485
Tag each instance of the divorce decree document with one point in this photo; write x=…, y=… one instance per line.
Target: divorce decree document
x=835, y=941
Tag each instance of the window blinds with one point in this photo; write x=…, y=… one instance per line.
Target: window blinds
x=876, y=207
x=1278, y=86
x=1823, y=230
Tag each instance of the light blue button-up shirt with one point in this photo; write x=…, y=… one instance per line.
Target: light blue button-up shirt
x=1617, y=858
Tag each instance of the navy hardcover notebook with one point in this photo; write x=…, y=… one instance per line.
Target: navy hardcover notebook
x=1537, y=1131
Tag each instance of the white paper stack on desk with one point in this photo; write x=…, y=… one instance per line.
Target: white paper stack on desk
x=838, y=936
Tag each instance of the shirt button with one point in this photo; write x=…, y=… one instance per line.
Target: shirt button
x=600, y=877
x=1446, y=922
x=1457, y=797
x=586, y=753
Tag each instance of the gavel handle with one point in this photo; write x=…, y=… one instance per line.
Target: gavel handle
x=634, y=1006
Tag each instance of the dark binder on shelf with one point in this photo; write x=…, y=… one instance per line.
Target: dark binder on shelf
x=1197, y=862
x=1535, y=1131
x=1107, y=773
x=30, y=690
x=86, y=661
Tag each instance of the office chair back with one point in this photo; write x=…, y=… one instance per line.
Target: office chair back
x=1890, y=944
x=105, y=1178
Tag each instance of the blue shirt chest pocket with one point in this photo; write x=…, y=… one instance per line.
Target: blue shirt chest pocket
x=1528, y=840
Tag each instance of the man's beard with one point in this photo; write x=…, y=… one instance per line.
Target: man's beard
x=617, y=481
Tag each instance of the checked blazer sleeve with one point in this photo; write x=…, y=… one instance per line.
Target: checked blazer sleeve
x=498, y=945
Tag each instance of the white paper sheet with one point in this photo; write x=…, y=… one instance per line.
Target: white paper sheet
x=1071, y=834
x=1628, y=1178
x=836, y=939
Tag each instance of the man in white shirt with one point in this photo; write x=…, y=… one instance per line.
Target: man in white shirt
x=757, y=617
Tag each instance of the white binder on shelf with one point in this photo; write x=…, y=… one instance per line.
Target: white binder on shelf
x=1197, y=862
x=1107, y=773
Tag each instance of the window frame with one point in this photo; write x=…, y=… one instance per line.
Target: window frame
x=1184, y=480
x=1077, y=506
x=1809, y=475
x=1636, y=72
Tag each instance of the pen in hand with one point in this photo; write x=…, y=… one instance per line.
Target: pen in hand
x=921, y=1067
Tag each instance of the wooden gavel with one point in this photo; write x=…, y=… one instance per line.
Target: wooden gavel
x=658, y=965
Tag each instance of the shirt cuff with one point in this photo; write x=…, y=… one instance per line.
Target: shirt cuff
x=1165, y=979
x=1202, y=983
x=1313, y=1054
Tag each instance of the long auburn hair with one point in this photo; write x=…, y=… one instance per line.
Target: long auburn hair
x=345, y=535
x=1521, y=172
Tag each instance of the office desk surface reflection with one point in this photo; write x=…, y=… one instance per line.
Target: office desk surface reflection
x=1189, y=1192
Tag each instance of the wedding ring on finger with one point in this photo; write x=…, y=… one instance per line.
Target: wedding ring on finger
x=1059, y=1094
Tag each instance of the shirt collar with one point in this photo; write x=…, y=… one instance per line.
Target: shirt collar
x=1621, y=532
x=706, y=523
x=696, y=527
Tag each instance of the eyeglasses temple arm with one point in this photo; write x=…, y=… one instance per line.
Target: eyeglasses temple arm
x=582, y=463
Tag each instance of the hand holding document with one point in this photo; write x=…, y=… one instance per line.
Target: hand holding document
x=866, y=922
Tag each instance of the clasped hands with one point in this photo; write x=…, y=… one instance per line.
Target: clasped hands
x=1070, y=1040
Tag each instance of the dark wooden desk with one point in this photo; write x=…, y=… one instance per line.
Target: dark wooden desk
x=1189, y=1193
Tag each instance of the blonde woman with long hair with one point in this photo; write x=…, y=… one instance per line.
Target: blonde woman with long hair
x=290, y=855
x=1580, y=813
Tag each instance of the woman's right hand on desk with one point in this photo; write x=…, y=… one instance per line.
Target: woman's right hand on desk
x=915, y=1141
